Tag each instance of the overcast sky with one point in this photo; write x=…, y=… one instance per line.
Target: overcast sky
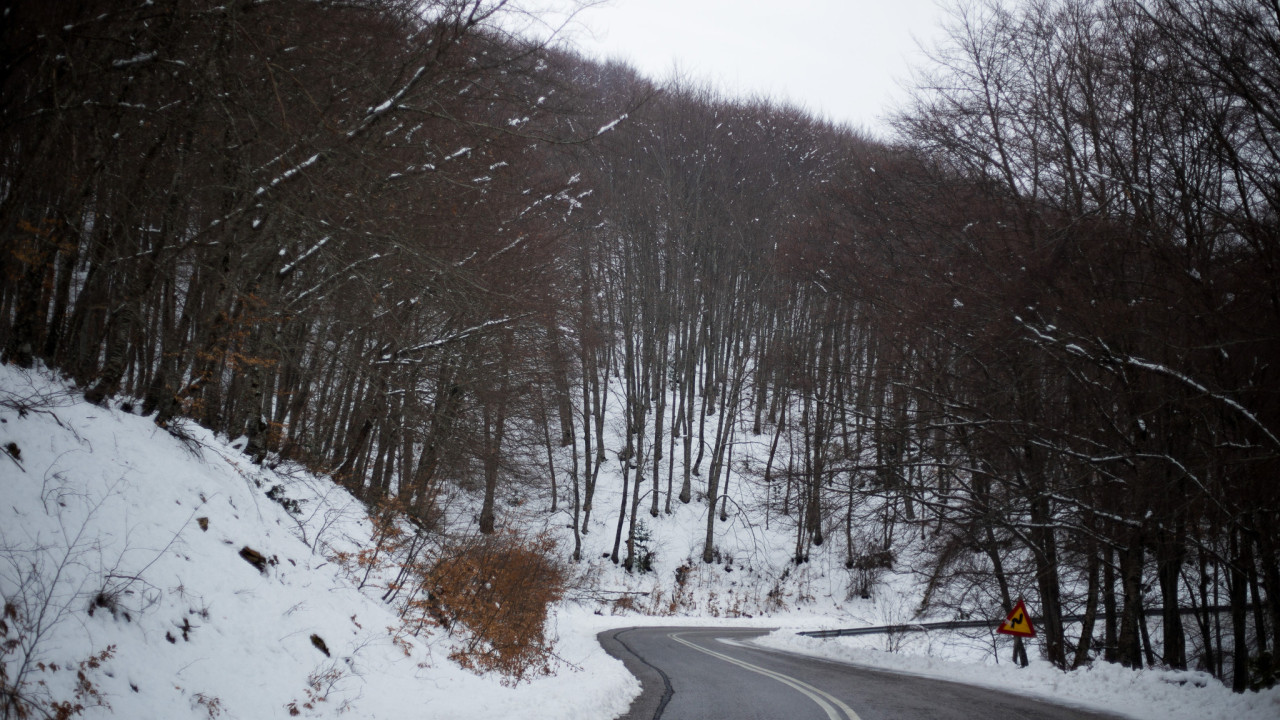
x=839, y=59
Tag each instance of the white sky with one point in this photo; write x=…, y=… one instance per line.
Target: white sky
x=839, y=59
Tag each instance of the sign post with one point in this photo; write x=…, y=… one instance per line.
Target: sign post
x=1018, y=624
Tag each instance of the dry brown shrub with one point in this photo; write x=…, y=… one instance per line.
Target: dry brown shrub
x=493, y=593
x=624, y=604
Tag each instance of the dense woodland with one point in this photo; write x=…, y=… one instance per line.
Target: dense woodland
x=393, y=240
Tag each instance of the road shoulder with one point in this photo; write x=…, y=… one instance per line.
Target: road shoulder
x=655, y=687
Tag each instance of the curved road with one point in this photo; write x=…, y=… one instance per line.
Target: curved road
x=704, y=673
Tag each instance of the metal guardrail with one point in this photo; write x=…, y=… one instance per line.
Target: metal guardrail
x=963, y=624
x=909, y=627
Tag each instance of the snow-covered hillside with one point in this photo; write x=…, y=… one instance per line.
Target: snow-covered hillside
x=150, y=574
x=123, y=556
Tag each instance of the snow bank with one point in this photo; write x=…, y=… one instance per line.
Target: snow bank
x=1154, y=694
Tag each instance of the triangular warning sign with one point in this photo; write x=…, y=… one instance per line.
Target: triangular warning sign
x=1018, y=623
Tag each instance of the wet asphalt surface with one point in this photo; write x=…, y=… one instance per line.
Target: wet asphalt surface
x=709, y=674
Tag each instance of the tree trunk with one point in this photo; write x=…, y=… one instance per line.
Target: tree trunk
x=1090, y=614
x=1170, y=555
x=1129, y=643
x=1238, y=586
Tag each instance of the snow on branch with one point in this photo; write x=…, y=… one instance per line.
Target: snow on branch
x=609, y=126
x=374, y=113
x=1189, y=382
x=277, y=158
x=135, y=60
x=284, y=271
x=306, y=293
x=460, y=335
x=1110, y=358
x=287, y=174
x=513, y=243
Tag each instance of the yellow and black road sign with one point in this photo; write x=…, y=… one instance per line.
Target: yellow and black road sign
x=1018, y=623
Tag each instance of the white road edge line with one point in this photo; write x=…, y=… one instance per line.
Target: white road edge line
x=822, y=699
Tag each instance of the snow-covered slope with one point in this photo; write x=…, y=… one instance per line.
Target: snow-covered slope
x=120, y=541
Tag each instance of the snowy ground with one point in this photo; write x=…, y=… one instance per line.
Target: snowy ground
x=121, y=542
x=1161, y=694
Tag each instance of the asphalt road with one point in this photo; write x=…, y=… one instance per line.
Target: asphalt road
x=705, y=674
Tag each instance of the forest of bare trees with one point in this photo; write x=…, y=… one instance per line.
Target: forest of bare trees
x=1035, y=333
